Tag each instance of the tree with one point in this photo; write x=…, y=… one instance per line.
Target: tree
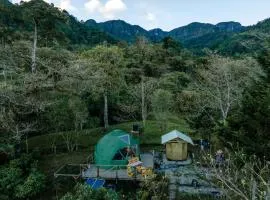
x=20, y=179
x=250, y=125
x=17, y=105
x=83, y=192
x=45, y=19
x=80, y=112
x=220, y=87
x=106, y=67
x=38, y=11
x=162, y=104
x=174, y=81
x=32, y=186
x=26, y=96
x=244, y=177
x=154, y=187
x=141, y=66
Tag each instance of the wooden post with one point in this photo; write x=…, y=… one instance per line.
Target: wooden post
x=97, y=171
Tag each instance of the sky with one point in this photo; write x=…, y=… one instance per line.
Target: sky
x=167, y=14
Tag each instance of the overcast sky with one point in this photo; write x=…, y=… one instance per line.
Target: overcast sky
x=167, y=14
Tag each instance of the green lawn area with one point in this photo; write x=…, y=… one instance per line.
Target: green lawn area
x=88, y=138
x=50, y=162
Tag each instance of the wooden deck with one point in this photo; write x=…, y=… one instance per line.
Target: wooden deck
x=94, y=171
x=108, y=172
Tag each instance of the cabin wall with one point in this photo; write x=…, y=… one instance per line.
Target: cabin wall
x=176, y=150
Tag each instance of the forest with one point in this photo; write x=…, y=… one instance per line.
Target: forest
x=64, y=84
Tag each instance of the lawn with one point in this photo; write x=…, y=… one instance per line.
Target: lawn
x=88, y=138
x=50, y=162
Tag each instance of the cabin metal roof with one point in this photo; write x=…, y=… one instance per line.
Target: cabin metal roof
x=175, y=135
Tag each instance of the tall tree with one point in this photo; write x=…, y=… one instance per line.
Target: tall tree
x=251, y=122
x=221, y=85
x=162, y=101
x=141, y=65
x=106, y=66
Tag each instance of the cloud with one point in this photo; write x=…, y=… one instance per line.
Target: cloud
x=151, y=17
x=93, y=5
x=107, y=10
x=113, y=6
x=150, y=20
x=66, y=5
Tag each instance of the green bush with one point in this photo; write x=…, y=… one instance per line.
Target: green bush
x=85, y=192
x=20, y=179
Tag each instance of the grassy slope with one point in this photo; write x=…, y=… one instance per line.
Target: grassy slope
x=88, y=138
x=50, y=162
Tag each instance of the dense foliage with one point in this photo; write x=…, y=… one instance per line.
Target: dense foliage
x=55, y=27
x=84, y=192
x=21, y=179
x=83, y=79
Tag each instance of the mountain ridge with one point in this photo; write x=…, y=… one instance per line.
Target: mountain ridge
x=122, y=30
x=58, y=27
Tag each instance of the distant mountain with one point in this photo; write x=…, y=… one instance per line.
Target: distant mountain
x=229, y=27
x=193, y=30
x=124, y=31
x=119, y=29
x=213, y=35
x=157, y=34
x=58, y=27
x=251, y=41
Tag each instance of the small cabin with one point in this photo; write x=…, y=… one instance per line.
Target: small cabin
x=176, y=144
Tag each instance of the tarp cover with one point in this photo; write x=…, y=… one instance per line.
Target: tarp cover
x=112, y=143
x=95, y=183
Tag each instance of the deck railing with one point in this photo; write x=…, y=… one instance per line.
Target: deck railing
x=103, y=170
x=99, y=171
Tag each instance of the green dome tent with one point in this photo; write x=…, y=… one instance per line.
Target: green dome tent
x=115, y=147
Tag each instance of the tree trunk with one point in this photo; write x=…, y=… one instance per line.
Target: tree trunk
x=106, y=121
x=143, y=102
x=254, y=189
x=26, y=143
x=81, y=126
x=5, y=76
x=33, y=66
x=267, y=195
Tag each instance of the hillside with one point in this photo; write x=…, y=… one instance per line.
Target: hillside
x=55, y=27
x=253, y=40
x=125, y=31
x=119, y=29
x=200, y=92
x=226, y=37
